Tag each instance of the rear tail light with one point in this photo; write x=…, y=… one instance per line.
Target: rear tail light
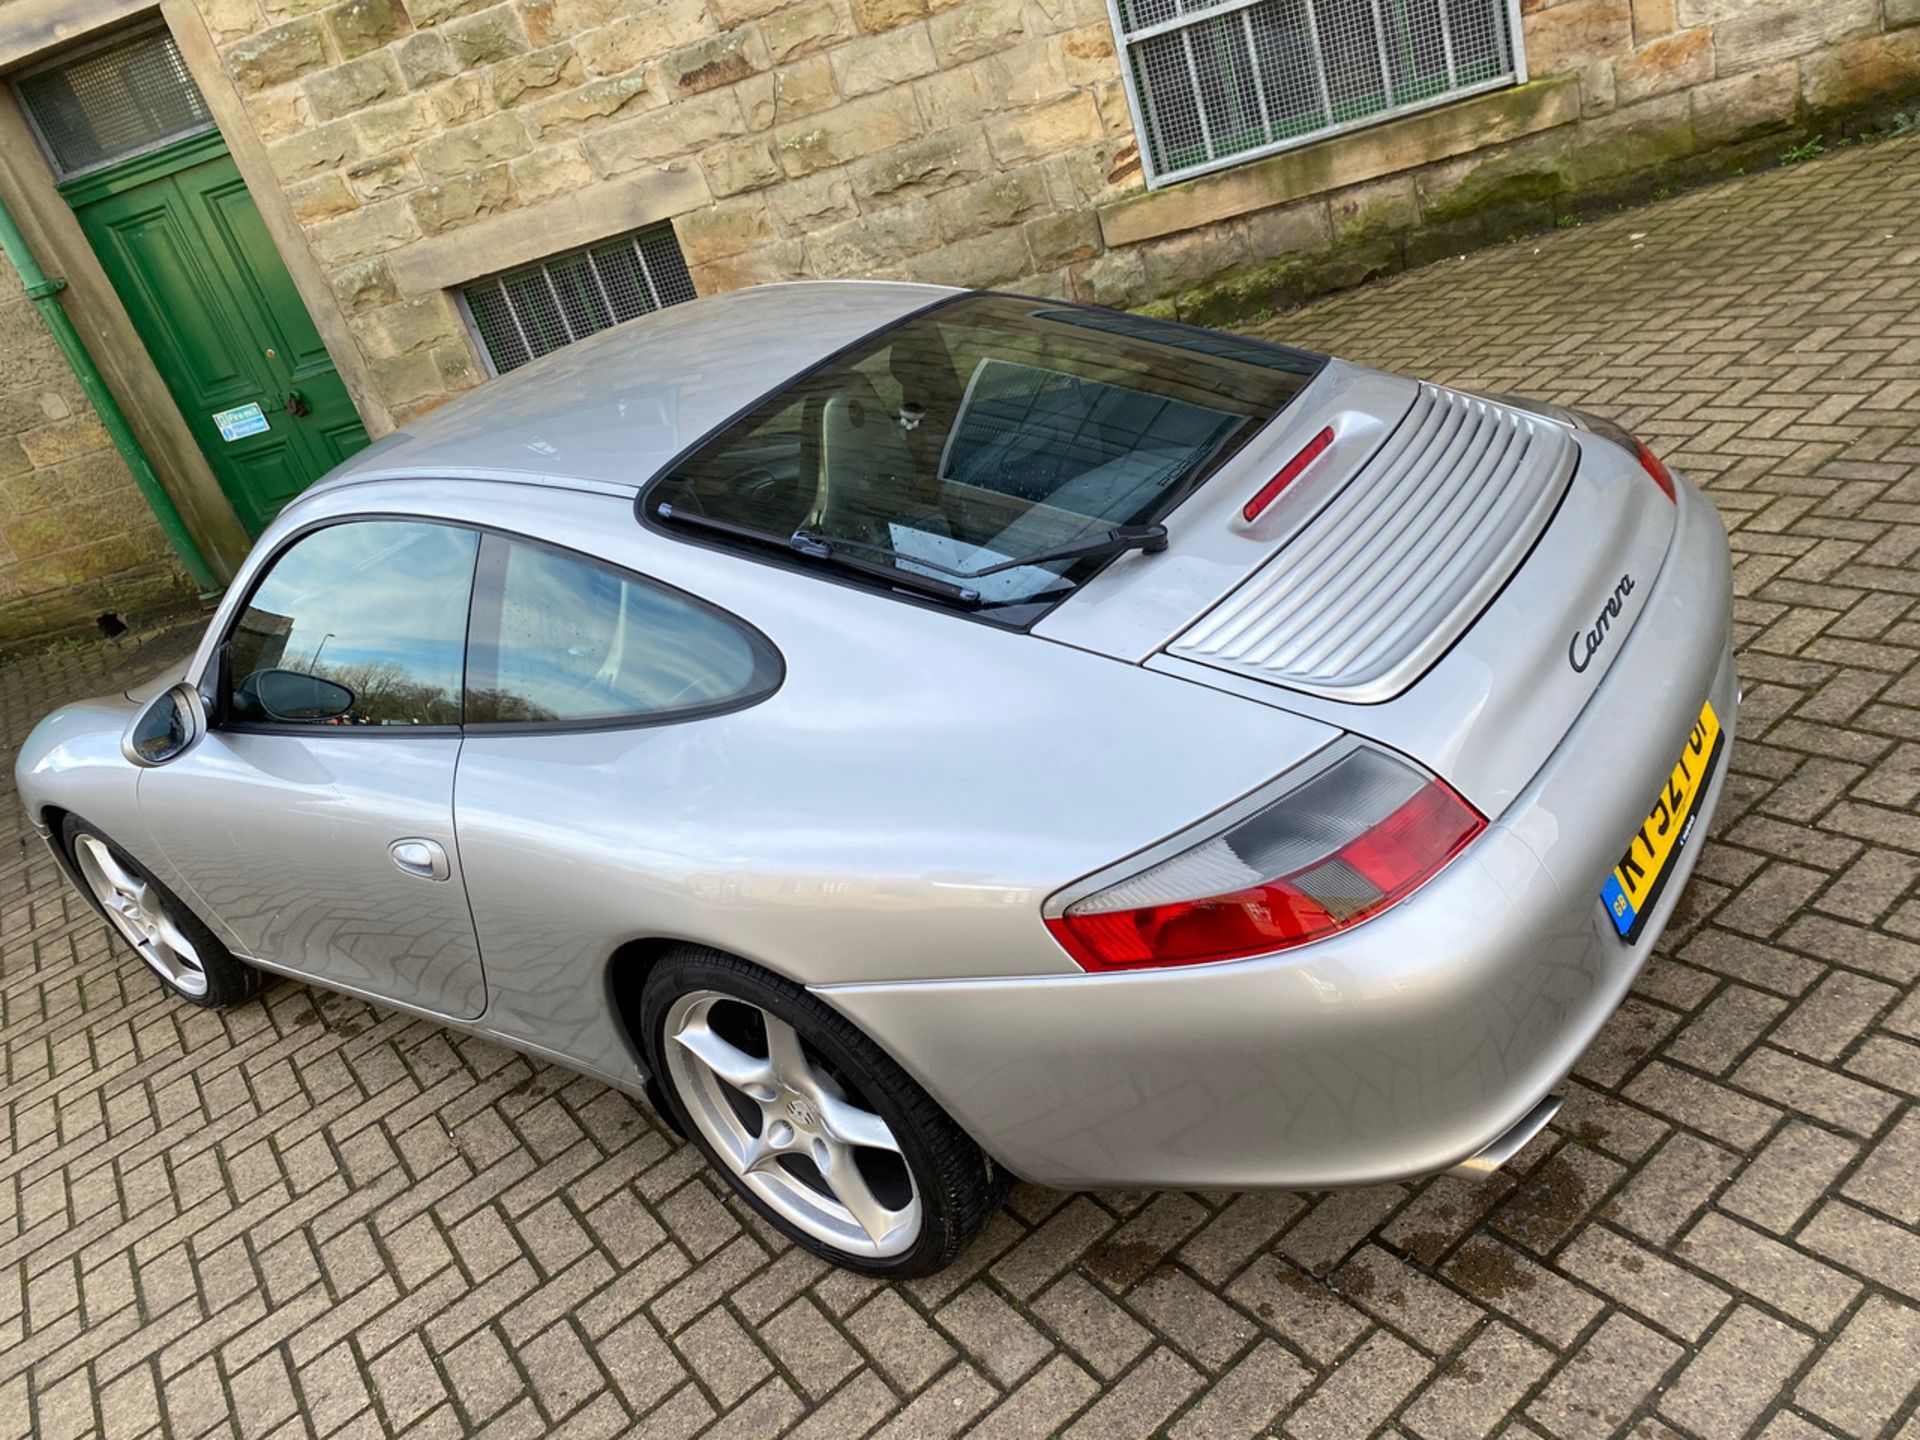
x=1651, y=463
x=1344, y=845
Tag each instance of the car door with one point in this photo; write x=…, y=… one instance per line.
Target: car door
x=315, y=820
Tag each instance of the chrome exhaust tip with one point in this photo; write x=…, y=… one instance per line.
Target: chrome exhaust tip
x=1510, y=1144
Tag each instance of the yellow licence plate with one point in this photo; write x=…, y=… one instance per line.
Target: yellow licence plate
x=1636, y=882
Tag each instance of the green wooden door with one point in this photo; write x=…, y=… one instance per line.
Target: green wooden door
x=190, y=258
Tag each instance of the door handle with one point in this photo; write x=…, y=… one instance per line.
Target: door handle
x=297, y=404
x=424, y=858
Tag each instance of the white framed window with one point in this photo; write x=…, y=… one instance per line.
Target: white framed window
x=1215, y=82
x=524, y=313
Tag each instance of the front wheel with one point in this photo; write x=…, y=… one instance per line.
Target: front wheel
x=187, y=957
x=810, y=1121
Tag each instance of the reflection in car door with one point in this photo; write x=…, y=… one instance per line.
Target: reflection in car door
x=323, y=845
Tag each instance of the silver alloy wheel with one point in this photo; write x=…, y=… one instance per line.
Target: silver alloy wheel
x=138, y=912
x=797, y=1116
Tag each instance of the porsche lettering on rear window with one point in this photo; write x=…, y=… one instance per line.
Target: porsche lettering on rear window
x=992, y=451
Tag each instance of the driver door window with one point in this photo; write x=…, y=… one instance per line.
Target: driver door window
x=359, y=624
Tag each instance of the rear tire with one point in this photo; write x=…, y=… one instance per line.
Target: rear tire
x=163, y=932
x=812, y=1124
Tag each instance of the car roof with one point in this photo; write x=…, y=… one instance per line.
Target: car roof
x=616, y=407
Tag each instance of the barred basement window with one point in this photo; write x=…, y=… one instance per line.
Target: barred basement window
x=523, y=314
x=111, y=101
x=1212, y=82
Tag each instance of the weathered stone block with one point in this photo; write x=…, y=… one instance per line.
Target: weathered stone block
x=858, y=247
x=1636, y=138
x=631, y=40
x=276, y=56
x=320, y=197
x=937, y=162
x=1674, y=62
x=1900, y=13
x=366, y=232
x=691, y=124
x=409, y=326
x=536, y=74
x=1525, y=173
x=740, y=165
x=1567, y=36
x=722, y=230
x=322, y=148
x=981, y=262
x=424, y=58
x=711, y=63
x=1025, y=76
x=809, y=26
x=992, y=203
x=438, y=12
x=737, y=12
x=354, y=85
x=47, y=445
x=1597, y=89
x=793, y=92
x=782, y=260
x=1046, y=130
x=1767, y=37
x=878, y=15
x=362, y=25
x=588, y=105
x=1063, y=239
x=880, y=62
x=556, y=170
x=462, y=200
x=815, y=202
x=405, y=379
x=1381, y=207
x=487, y=36
x=1289, y=230
x=230, y=19
x=1089, y=55
x=977, y=29
x=496, y=138
x=1726, y=112
x=460, y=101
x=364, y=285
x=860, y=128
x=1862, y=73
x=278, y=114
x=1654, y=18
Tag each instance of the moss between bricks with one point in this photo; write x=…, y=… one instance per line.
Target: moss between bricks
x=1523, y=188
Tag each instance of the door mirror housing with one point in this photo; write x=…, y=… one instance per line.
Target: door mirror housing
x=171, y=725
x=295, y=695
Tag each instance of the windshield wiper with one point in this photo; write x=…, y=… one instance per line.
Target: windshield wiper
x=814, y=547
x=1150, y=538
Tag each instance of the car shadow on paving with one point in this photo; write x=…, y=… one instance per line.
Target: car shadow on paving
x=312, y=1216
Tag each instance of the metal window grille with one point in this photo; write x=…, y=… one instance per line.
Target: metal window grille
x=1213, y=82
x=523, y=314
x=106, y=104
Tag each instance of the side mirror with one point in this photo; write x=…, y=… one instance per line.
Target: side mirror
x=171, y=725
x=296, y=695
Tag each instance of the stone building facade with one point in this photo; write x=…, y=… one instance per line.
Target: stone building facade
x=400, y=150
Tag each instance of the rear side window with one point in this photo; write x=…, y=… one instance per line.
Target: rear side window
x=558, y=639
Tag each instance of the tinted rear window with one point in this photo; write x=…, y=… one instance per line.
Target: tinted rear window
x=982, y=431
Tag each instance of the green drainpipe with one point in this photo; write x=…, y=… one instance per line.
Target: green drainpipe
x=44, y=293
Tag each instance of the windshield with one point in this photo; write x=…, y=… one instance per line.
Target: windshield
x=985, y=430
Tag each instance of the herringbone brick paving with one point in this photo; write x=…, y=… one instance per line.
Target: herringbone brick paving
x=312, y=1217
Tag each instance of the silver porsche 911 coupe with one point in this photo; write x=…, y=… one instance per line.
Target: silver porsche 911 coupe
x=919, y=737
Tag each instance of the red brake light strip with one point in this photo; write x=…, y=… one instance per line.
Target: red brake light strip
x=1289, y=473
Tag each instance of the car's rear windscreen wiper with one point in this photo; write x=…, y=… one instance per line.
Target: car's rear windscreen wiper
x=814, y=547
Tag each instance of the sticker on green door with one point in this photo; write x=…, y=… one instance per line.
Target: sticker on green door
x=240, y=422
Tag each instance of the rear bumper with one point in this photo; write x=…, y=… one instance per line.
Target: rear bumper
x=1409, y=1045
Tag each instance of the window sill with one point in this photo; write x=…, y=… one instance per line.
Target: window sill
x=1342, y=160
